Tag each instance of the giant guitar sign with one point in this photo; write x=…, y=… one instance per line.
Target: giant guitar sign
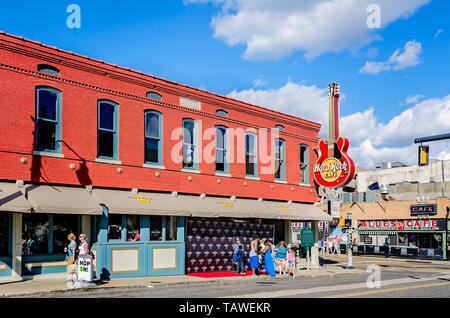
x=334, y=167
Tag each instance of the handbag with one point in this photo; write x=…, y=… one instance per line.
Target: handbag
x=92, y=255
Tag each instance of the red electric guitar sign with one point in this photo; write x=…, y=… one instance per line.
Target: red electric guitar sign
x=334, y=168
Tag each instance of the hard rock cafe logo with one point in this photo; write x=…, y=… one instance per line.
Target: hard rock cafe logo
x=331, y=169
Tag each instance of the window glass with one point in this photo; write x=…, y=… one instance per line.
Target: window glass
x=46, y=137
x=35, y=230
x=4, y=233
x=152, y=137
x=106, y=116
x=48, y=102
x=106, y=144
x=279, y=159
x=250, y=155
x=303, y=164
x=151, y=150
x=392, y=239
x=153, y=95
x=48, y=69
x=220, y=149
x=221, y=112
x=279, y=127
x=114, y=227
x=402, y=240
x=63, y=225
x=155, y=228
x=133, y=228
x=188, y=132
x=152, y=125
x=188, y=144
x=171, y=228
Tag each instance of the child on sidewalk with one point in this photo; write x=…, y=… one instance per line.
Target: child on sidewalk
x=239, y=257
x=291, y=262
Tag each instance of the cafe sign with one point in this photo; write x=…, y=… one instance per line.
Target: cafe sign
x=423, y=209
x=402, y=225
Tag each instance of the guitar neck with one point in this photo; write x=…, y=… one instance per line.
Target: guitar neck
x=333, y=117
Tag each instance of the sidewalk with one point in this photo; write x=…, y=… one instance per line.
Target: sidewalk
x=33, y=286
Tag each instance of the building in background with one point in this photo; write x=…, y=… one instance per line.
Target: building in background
x=90, y=147
x=402, y=210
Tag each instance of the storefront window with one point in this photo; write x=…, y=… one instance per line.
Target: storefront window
x=436, y=240
x=413, y=240
x=133, y=228
x=114, y=227
x=402, y=241
x=155, y=228
x=392, y=239
x=62, y=226
x=35, y=229
x=4, y=233
x=171, y=228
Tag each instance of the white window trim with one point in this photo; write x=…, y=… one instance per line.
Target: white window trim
x=146, y=165
x=110, y=161
x=48, y=154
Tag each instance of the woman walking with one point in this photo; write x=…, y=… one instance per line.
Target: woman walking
x=71, y=250
x=268, y=260
x=83, y=248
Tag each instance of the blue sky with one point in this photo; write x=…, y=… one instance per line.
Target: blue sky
x=208, y=44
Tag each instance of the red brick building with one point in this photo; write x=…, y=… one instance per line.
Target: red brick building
x=71, y=126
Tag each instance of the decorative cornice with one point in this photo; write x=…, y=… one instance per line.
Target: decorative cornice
x=144, y=99
x=115, y=72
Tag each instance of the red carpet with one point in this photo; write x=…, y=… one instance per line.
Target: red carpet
x=221, y=274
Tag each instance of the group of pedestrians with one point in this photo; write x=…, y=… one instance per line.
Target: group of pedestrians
x=74, y=251
x=264, y=253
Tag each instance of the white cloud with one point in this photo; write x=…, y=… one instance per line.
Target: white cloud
x=399, y=59
x=414, y=99
x=273, y=29
x=371, y=141
x=259, y=82
x=438, y=32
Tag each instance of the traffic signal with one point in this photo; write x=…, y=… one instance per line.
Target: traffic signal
x=424, y=155
x=348, y=223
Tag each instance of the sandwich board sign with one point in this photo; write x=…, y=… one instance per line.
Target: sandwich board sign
x=85, y=272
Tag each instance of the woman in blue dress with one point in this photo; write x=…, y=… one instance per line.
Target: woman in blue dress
x=268, y=261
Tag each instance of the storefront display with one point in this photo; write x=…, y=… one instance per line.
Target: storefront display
x=209, y=243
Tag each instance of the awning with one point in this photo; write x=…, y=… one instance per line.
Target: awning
x=12, y=199
x=152, y=203
x=62, y=200
x=289, y=211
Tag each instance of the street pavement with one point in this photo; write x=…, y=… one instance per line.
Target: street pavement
x=396, y=277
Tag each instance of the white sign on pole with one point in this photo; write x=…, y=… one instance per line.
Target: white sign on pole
x=336, y=209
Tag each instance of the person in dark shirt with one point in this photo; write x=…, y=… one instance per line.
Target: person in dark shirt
x=239, y=257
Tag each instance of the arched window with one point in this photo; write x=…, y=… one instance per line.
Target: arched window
x=153, y=137
x=221, y=112
x=251, y=158
x=48, y=69
x=279, y=127
x=155, y=96
x=48, y=119
x=304, y=164
x=221, y=149
x=108, y=114
x=190, y=144
x=279, y=159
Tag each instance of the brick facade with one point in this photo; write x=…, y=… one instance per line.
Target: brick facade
x=84, y=81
